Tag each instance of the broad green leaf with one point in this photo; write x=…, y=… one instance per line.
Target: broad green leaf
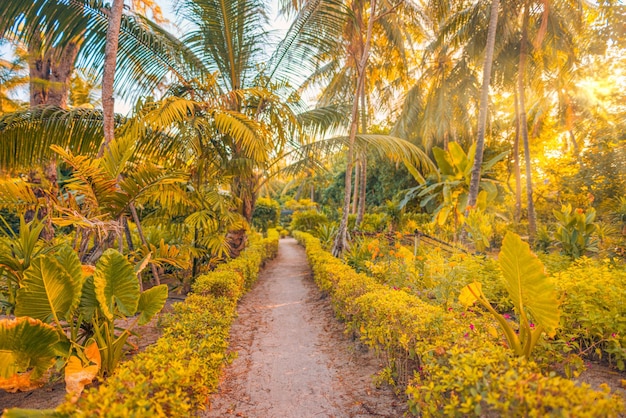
x=442, y=162
x=151, y=302
x=68, y=258
x=88, y=301
x=25, y=344
x=117, y=287
x=457, y=157
x=49, y=291
x=470, y=293
x=527, y=283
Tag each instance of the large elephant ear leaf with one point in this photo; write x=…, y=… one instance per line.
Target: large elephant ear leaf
x=88, y=299
x=26, y=352
x=116, y=285
x=527, y=283
x=151, y=302
x=68, y=258
x=48, y=292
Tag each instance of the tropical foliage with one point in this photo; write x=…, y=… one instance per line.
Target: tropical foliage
x=415, y=140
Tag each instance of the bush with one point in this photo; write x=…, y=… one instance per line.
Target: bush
x=266, y=214
x=308, y=220
x=175, y=376
x=452, y=363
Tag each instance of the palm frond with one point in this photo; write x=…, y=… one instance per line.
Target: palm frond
x=316, y=31
x=227, y=35
x=26, y=135
x=17, y=194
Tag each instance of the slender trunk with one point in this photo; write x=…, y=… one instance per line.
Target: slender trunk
x=360, y=212
x=484, y=99
x=142, y=237
x=361, y=209
x=516, y=166
x=532, y=220
x=341, y=241
x=108, y=77
x=575, y=147
x=357, y=182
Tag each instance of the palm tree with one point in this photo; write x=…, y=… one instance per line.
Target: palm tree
x=484, y=97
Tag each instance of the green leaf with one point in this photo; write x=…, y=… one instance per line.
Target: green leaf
x=151, y=302
x=458, y=157
x=470, y=294
x=48, y=291
x=527, y=283
x=117, y=287
x=88, y=300
x=26, y=344
x=442, y=161
x=68, y=258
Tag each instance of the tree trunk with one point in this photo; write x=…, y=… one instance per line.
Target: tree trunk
x=360, y=212
x=357, y=188
x=50, y=73
x=523, y=125
x=341, y=241
x=361, y=209
x=108, y=76
x=484, y=99
x=516, y=166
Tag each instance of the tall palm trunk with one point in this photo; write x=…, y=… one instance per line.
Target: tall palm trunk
x=50, y=71
x=360, y=212
x=523, y=125
x=484, y=99
x=341, y=241
x=516, y=166
x=108, y=76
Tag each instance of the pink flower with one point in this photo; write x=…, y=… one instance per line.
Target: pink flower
x=532, y=326
x=466, y=335
x=506, y=316
x=472, y=327
x=614, y=335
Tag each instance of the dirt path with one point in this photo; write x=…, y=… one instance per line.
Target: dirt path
x=293, y=358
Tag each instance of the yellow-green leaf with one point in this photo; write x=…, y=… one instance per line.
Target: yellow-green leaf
x=151, y=302
x=527, y=283
x=116, y=285
x=470, y=294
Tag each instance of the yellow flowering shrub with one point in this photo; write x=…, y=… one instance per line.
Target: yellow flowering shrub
x=451, y=363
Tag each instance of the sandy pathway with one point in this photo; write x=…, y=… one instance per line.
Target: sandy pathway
x=293, y=358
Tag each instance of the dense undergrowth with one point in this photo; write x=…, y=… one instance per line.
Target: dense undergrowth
x=174, y=377
x=451, y=361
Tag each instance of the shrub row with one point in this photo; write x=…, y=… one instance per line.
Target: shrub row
x=451, y=363
x=174, y=377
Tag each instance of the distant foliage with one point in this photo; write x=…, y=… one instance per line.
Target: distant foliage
x=266, y=214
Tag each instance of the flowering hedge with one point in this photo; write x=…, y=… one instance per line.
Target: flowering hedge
x=451, y=363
